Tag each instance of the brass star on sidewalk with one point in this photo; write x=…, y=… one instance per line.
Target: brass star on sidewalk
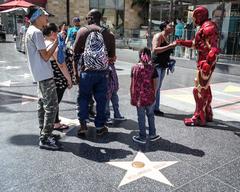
x=141, y=166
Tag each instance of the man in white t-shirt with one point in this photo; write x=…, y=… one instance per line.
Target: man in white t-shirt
x=41, y=70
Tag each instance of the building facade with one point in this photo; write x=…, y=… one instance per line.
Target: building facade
x=13, y=20
x=127, y=21
x=118, y=15
x=130, y=21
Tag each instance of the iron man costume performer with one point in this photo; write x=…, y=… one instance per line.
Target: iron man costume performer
x=206, y=42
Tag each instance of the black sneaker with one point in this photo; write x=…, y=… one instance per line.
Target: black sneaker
x=121, y=118
x=49, y=143
x=158, y=113
x=139, y=139
x=154, y=137
x=237, y=133
x=91, y=114
x=56, y=136
x=101, y=130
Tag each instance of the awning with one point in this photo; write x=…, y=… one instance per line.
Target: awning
x=14, y=9
x=38, y=1
x=31, y=1
x=41, y=3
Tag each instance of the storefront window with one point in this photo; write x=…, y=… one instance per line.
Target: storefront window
x=227, y=18
x=233, y=43
x=113, y=14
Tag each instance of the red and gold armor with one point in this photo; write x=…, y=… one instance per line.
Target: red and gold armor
x=206, y=43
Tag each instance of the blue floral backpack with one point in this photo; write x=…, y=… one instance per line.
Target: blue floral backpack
x=142, y=89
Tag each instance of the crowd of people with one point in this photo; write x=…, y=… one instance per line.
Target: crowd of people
x=60, y=57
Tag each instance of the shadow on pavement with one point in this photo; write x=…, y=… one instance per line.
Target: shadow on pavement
x=216, y=124
x=25, y=140
x=16, y=97
x=129, y=124
x=7, y=41
x=9, y=99
x=159, y=145
x=4, y=109
x=175, y=116
x=84, y=150
x=93, y=153
x=165, y=145
x=126, y=138
x=103, y=154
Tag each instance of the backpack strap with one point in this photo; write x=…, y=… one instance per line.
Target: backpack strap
x=100, y=31
x=86, y=27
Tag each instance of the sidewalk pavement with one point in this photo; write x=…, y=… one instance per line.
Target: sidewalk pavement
x=131, y=56
x=185, y=159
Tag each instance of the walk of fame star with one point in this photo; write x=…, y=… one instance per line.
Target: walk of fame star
x=141, y=166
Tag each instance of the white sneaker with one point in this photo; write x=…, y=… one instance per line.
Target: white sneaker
x=139, y=140
x=154, y=137
x=109, y=121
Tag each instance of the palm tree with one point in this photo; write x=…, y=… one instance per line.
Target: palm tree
x=68, y=12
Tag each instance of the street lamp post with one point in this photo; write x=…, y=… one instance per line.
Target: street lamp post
x=170, y=10
x=150, y=16
x=67, y=10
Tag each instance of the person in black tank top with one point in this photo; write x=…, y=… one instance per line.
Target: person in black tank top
x=161, y=59
x=161, y=50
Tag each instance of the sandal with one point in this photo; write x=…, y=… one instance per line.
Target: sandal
x=61, y=127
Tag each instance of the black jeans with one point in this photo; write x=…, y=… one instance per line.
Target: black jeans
x=60, y=93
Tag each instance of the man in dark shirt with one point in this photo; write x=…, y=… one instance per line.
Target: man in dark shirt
x=93, y=81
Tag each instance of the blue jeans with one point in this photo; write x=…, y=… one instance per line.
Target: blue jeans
x=115, y=104
x=149, y=112
x=92, y=83
x=161, y=74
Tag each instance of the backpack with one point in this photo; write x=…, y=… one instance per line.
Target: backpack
x=113, y=84
x=142, y=89
x=95, y=52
